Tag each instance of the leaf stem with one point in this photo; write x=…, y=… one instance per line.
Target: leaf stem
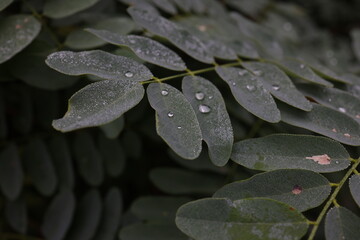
x=193, y=73
x=332, y=199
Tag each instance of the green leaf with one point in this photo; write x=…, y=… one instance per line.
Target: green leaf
x=65, y=8
x=39, y=167
x=222, y=219
x=111, y=216
x=341, y=223
x=166, y=6
x=87, y=217
x=278, y=84
x=176, y=181
x=11, y=173
x=355, y=37
x=58, y=216
x=98, y=63
x=298, y=69
x=88, y=158
x=145, y=48
x=62, y=160
x=80, y=39
x=244, y=48
x=252, y=8
x=16, y=215
x=178, y=36
x=250, y=93
x=300, y=189
x=4, y=4
x=141, y=231
x=113, y=155
x=27, y=65
x=354, y=184
x=113, y=129
x=176, y=121
x=325, y=121
x=100, y=103
x=280, y=151
x=157, y=208
x=17, y=31
x=214, y=121
x=334, y=98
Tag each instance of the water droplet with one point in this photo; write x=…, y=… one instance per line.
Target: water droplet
x=129, y=74
x=78, y=117
x=233, y=83
x=337, y=162
x=178, y=127
x=329, y=99
x=287, y=26
x=211, y=97
x=204, y=108
x=199, y=95
x=276, y=87
x=341, y=109
x=170, y=114
x=164, y=92
x=250, y=87
x=302, y=66
x=242, y=72
x=257, y=72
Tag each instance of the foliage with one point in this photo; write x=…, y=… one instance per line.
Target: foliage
x=254, y=82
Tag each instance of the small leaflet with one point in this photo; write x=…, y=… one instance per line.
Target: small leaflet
x=65, y=8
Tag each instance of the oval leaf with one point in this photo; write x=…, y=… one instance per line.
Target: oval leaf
x=39, y=167
x=325, y=121
x=87, y=217
x=250, y=93
x=214, y=121
x=113, y=129
x=100, y=103
x=300, y=189
x=111, y=216
x=17, y=32
x=98, y=63
x=58, y=216
x=113, y=155
x=62, y=160
x=176, y=121
x=281, y=151
x=176, y=181
x=157, y=208
x=278, y=84
x=88, y=159
x=16, y=215
x=145, y=48
x=64, y=8
x=222, y=219
x=334, y=98
x=341, y=223
x=171, y=31
x=11, y=173
x=354, y=184
x=300, y=70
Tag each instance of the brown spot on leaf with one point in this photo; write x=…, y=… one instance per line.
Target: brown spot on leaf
x=320, y=159
x=297, y=189
x=357, y=116
x=17, y=26
x=26, y=20
x=202, y=28
x=347, y=135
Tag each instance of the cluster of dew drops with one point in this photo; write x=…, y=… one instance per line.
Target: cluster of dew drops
x=203, y=108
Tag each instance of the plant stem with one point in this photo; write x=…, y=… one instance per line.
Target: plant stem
x=193, y=73
x=332, y=199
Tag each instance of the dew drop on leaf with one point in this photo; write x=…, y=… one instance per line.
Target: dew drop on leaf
x=250, y=87
x=204, y=108
x=164, y=92
x=320, y=159
x=170, y=114
x=302, y=66
x=211, y=97
x=129, y=74
x=242, y=72
x=179, y=127
x=276, y=87
x=199, y=96
x=341, y=109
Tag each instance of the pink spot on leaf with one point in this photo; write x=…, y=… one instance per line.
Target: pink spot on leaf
x=334, y=130
x=297, y=189
x=17, y=26
x=320, y=159
x=347, y=135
